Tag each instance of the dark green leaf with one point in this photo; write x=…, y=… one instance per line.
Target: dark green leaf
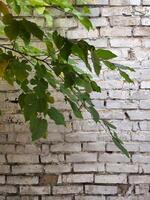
x=12, y=30
x=76, y=110
x=33, y=29
x=126, y=76
x=96, y=62
x=105, y=54
x=110, y=65
x=38, y=128
x=94, y=113
x=95, y=87
x=19, y=70
x=56, y=116
x=120, y=146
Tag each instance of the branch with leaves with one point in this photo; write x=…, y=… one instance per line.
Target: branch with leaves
x=35, y=70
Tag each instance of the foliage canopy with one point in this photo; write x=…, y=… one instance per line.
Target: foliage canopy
x=35, y=70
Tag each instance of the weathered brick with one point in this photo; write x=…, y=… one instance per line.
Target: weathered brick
x=74, y=189
x=111, y=179
x=89, y=198
x=139, y=115
x=8, y=189
x=22, y=180
x=34, y=190
x=4, y=169
x=113, y=157
x=124, y=21
x=23, y=158
x=82, y=33
x=100, y=189
x=65, y=23
x=116, y=11
x=57, y=169
x=146, y=2
x=94, y=167
x=139, y=179
x=94, y=146
x=81, y=137
x=141, y=158
x=52, y=158
x=78, y=178
x=115, y=31
x=121, y=168
x=141, y=31
x=125, y=2
x=65, y=147
x=57, y=198
x=99, y=22
x=27, y=169
x=82, y=157
x=125, y=42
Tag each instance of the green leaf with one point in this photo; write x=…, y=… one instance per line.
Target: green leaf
x=95, y=87
x=56, y=116
x=109, y=125
x=76, y=110
x=119, y=144
x=42, y=105
x=125, y=67
x=110, y=65
x=40, y=10
x=96, y=62
x=86, y=22
x=126, y=76
x=12, y=30
x=21, y=100
x=49, y=18
x=19, y=70
x=38, y=128
x=86, y=10
x=80, y=49
x=33, y=28
x=38, y=3
x=105, y=54
x=94, y=113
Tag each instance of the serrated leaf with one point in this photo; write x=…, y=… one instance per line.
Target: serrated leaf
x=57, y=116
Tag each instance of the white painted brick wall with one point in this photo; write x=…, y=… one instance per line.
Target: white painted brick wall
x=80, y=162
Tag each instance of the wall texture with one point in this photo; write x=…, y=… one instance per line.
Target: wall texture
x=80, y=162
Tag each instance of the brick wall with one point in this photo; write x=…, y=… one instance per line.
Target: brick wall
x=80, y=162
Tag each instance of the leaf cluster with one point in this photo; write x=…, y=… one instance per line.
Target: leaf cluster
x=38, y=71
